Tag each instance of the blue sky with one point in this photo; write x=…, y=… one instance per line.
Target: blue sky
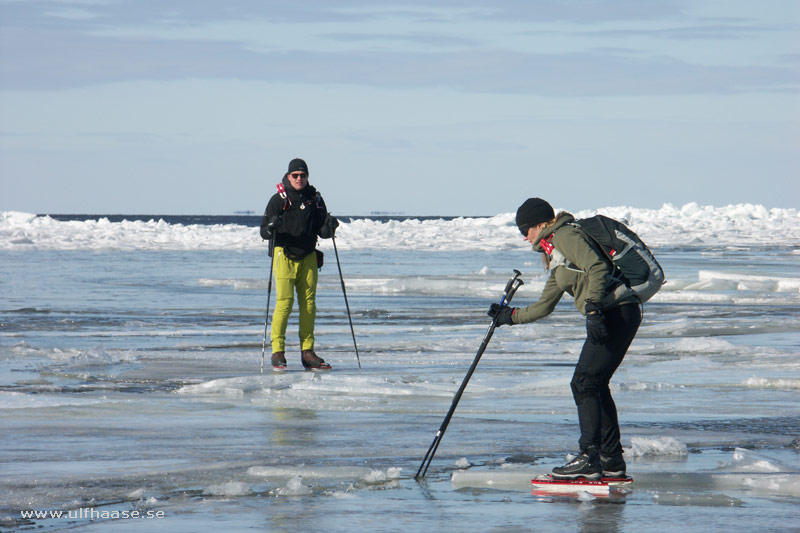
x=455, y=107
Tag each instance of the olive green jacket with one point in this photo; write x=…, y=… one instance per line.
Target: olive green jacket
x=577, y=267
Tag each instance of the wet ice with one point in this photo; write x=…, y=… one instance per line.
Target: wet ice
x=131, y=377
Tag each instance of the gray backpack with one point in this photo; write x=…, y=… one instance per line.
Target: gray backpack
x=640, y=272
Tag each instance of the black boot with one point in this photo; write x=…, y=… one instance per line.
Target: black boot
x=313, y=362
x=586, y=465
x=613, y=465
x=278, y=362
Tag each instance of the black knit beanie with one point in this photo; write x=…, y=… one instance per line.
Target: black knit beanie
x=533, y=212
x=297, y=165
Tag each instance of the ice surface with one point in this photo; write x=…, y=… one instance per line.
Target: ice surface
x=19, y=400
x=129, y=376
x=308, y=472
x=696, y=500
x=745, y=470
x=772, y=383
x=740, y=281
x=503, y=479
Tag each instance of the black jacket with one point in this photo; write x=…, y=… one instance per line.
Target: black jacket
x=302, y=219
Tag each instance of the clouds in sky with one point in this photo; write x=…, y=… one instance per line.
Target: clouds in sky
x=196, y=106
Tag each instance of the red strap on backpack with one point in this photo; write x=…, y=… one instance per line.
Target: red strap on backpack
x=546, y=245
x=282, y=193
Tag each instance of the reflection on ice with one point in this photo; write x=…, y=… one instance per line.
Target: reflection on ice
x=699, y=500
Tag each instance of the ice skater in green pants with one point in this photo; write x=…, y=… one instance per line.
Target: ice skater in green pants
x=296, y=215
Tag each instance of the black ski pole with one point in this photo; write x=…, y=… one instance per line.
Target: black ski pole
x=511, y=287
x=269, y=295
x=346, y=304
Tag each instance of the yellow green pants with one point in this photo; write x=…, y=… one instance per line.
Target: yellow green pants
x=290, y=276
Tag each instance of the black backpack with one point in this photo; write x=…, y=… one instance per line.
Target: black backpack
x=641, y=273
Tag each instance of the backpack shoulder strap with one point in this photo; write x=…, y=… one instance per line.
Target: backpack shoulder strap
x=282, y=193
x=608, y=254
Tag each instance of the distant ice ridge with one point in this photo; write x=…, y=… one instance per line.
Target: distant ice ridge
x=689, y=225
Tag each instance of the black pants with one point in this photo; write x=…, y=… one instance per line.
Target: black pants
x=597, y=413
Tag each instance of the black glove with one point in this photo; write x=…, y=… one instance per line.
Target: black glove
x=273, y=224
x=501, y=314
x=595, y=324
x=328, y=227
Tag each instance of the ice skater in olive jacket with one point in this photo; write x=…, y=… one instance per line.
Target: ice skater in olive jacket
x=296, y=216
x=579, y=269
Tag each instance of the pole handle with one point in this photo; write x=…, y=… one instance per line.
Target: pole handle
x=513, y=290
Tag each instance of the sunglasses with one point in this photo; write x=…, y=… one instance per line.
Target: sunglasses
x=298, y=175
x=524, y=230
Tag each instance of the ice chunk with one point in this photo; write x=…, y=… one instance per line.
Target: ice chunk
x=137, y=494
x=231, y=488
x=463, y=463
x=658, y=446
x=375, y=476
x=750, y=461
x=738, y=225
x=294, y=487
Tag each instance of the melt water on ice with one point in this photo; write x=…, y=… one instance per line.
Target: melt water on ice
x=130, y=382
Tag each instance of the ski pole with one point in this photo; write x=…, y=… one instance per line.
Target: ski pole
x=346, y=304
x=269, y=295
x=508, y=293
